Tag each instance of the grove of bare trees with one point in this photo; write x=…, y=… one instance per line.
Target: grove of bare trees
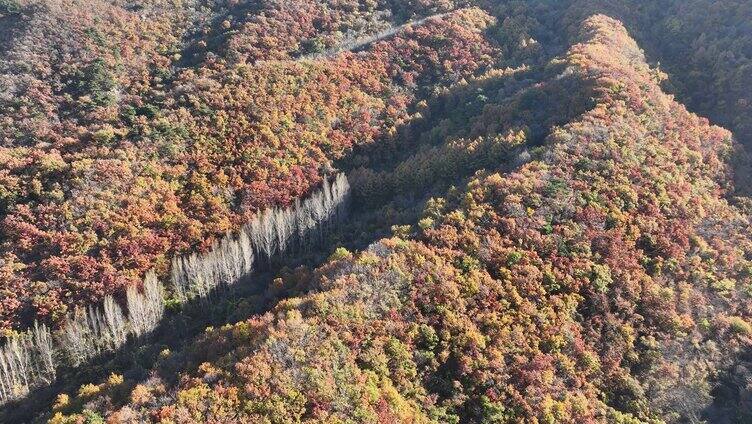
x=26, y=360
x=30, y=359
x=272, y=232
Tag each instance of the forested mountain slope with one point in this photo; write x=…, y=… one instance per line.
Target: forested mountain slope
x=704, y=45
x=115, y=158
x=385, y=211
x=604, y=280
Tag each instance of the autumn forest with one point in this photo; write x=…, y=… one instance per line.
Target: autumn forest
x=376, y=211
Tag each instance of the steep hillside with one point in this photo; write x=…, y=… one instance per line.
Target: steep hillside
x=375, y=211
x=704, y=45
x=604, y=278
x=133, y=144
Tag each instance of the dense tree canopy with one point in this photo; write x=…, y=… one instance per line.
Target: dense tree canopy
x=606, y=279
x=115, y=158
x=566, y=242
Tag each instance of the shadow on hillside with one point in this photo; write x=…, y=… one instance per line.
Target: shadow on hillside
x=197, y=44
x=732, y=397
x=532, y=101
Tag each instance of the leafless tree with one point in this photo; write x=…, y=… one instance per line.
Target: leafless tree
x=115, y=329
x=246, y=252
x=14, y=368
x=263, y=233
x=195, y=275
x=284, y=223
x=146, y=309
x=14, y=360
x=311, y=215
x=26, y=361
x=45, y=351
x=74, y=337
x=88, y=332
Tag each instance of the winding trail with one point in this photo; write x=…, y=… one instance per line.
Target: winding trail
x=364, y=41
x=360, y=42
